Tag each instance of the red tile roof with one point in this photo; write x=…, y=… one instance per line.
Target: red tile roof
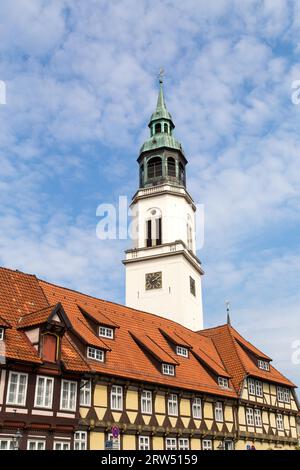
x=219, y=351
x=36, y=318
x=4, y=323
x=234, y=350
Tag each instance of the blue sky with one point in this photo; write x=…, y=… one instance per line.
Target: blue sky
x=81, y=85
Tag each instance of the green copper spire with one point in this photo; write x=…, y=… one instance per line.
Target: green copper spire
x=161, y=111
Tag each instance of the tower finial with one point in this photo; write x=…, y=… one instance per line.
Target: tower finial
x=227, y=303
x=161, y=75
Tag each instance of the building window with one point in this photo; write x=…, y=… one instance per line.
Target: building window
x=43, y=392
x=154, y=167
x=228, y=445
x=257, y=418
x=171, y=167
x=206, y=444
x=1, y=334
x=115, y=440
x=85, y=393
x=36, y=445
x=17, y=389
x=183, y=443
x=173, y=405
x=7, y=444
x=116, y=398
x=264, y=365
x=219, y=412
x=106, y=332
x=223, y=383
x=251, y=386
x=168, y=369
x=250, y=416
x=180, y=351
x=95, y=354
x=61, y=445
x=192, y=286
x=283, y=395
x=68, y=395
x=144, y=443
x=171, y=443
x=146, y=402
x=157, y=128
x=258, y=388
x=279, y=422
x=197, y=408
x=80, y=440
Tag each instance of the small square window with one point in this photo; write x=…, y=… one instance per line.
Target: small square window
x=1, y=334
x=106, y=332
x=180, y=351
x=96, y=354
x=168, y=369
x=223, y=383
x=193, y=286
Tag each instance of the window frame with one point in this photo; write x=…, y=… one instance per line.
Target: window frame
x=207, y=444
x=182, y=351
x=251, y=386
x=183, y=443
x=168, y=369
x=106, y=330
x=223, y=383
x=1, y=334
x=250, y=416
x=173, y=405
x=146, y=445
x=80, y=441
x=91, y=353
x=171, y=443
x=257, y=418
x=45, y=379
x=62, y=443
x=219, y=412
x=85, y=391
x=263, y=365
x=69, y=382
x=281, y=421
x=36, y=442
x=197, y=406
x=10, y=444
x=116, y=395
x=146, y=402
x=259, y=389
x=17, y=392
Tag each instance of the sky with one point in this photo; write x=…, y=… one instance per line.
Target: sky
x=81, y=84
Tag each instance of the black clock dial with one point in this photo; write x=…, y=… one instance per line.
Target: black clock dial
x=153, y=280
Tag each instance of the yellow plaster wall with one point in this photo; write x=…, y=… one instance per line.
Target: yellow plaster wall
x=185, y=407
x=158, y=443
x=195, y=444
x=132, y=400
x=100, y=395
x=97, y=441
x=228, y=413
x=160, y=404
x=208, y=410
x=128, y=442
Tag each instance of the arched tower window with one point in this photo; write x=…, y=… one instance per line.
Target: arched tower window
x=154, y=167
x=153, y=227
x=166, y=128
x=142, y=174
x=171, y=166
x=181, y=173
x=158, y=128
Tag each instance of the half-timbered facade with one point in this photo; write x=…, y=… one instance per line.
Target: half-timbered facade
x=73, y=366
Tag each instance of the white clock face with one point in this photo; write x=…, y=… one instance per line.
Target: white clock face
x=153, y=280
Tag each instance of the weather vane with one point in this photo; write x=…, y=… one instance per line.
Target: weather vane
x=161, y=75
x=228, y=311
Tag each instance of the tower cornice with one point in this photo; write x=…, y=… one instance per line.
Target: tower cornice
x=162, y=189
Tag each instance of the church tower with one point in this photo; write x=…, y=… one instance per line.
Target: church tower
x=163, y=273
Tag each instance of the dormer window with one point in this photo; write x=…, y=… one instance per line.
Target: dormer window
x=181, y=351
x=1, y=334
x=168, y=369
x=106, y=332
x=223, y=383
x=95, y=354
x=264, y=365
